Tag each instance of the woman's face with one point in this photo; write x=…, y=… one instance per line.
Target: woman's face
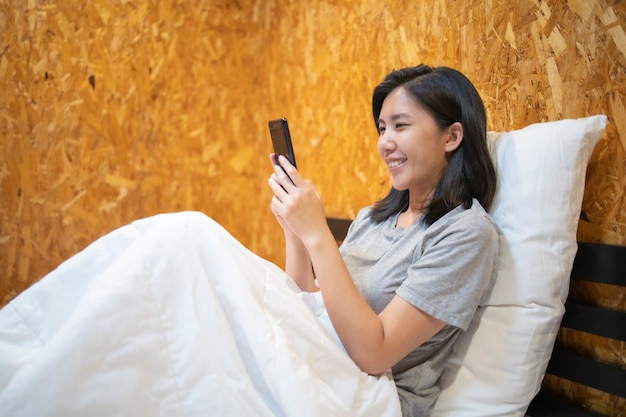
x=411, y=144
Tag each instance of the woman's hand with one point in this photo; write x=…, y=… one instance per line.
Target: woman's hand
x=296, y=203
x=288, y=233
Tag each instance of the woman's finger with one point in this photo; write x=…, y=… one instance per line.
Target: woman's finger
x=281, y=177
x=291, y=171
x=274, y=185
x=277, y=188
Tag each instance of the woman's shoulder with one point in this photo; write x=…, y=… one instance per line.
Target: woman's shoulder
x=363, y=224
x=363, y=214
x=473, y=220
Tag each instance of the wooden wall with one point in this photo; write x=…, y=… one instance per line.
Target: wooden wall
x=113, y=110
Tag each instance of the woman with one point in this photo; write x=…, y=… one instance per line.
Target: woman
x=170, y=315
x=414, y=267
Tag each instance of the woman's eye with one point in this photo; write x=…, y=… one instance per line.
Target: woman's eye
x=400, y=125
x=381, y=130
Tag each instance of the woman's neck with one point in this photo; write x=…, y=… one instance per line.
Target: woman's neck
x=417, y=206
x=408, y=218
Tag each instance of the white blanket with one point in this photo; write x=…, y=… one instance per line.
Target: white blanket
x=171, y=316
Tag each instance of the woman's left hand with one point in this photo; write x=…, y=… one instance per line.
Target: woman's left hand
x=297, y=201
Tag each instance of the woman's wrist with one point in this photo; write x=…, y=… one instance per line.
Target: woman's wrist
x=319, y=241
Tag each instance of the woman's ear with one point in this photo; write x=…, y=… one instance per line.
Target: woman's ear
x=455, y=136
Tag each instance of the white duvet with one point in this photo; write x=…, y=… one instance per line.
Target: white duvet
x=171, y=316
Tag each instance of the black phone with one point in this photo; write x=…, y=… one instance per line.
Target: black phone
x=281, y=139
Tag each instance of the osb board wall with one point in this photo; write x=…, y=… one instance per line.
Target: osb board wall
x=116, y=110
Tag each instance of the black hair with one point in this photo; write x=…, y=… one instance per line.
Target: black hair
x=449, y=96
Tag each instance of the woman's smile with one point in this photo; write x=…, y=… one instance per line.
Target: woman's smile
x=393, y=163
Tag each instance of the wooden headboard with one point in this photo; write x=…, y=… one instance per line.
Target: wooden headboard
x=339, y=227
x=601, y=264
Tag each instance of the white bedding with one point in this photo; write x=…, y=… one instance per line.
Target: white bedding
x=171, y=316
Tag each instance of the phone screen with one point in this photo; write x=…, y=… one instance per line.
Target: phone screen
x=281, y=139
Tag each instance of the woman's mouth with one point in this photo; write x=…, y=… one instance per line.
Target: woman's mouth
x=395, y=163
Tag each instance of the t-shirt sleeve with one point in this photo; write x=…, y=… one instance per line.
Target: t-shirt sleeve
x=453, y=270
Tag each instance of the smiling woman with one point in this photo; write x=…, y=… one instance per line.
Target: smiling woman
x=415, y=266
x=440, y=102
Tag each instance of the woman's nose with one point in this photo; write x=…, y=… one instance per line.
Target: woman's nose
x=386, y=141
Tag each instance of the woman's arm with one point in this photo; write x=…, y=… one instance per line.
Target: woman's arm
x=374, y=342
x=298, y=263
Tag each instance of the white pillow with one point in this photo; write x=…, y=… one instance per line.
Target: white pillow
x=497, y=366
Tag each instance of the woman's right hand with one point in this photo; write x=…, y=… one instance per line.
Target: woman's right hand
x=288, y=232
x=297, y=259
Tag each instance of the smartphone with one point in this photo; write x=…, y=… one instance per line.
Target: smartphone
x=281, y=139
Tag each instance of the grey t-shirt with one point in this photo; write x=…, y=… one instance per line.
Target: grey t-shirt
x=444, y=270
